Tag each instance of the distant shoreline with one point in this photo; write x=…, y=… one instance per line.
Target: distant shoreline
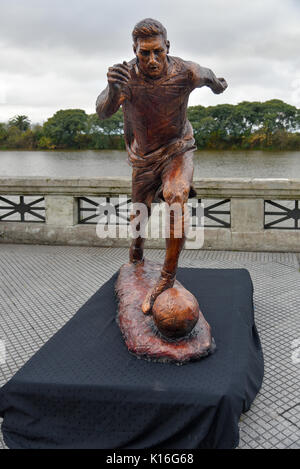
x=266, y=126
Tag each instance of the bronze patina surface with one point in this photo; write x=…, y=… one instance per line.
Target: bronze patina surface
x=139, y=330
x=153, y=90
x=175, y=312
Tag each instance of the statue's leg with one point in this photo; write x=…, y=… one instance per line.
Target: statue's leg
x=141, y=194
x=136, y=252
x=176, y=179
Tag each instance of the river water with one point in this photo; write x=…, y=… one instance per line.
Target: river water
x=208, y=164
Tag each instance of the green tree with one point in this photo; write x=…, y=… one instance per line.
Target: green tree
x=111, y=126
x=65, y=126
x=38, y=131
x=45, y=143
x=27, y=140
x=3, y=133
x=297, y=120
x=245, y=125
x=14, y=135
x=21, y=122
x=203, y=130
x=196, y=113
x=108, y=133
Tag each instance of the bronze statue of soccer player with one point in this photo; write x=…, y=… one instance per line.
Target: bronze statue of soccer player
x=153, y=90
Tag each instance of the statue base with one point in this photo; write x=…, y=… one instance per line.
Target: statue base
x=83, y=390
x=140, y=333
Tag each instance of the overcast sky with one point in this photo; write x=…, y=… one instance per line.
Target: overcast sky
x=54, y=54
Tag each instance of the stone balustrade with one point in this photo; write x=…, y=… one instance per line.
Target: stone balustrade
x=240, y=214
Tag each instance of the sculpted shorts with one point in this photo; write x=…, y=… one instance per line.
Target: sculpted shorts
x=150, y=171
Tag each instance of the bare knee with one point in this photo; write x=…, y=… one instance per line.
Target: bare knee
x=176, y=195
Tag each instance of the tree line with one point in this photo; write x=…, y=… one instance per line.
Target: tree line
x=248, y=125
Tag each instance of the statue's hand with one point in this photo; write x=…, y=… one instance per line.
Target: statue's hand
x=220, y=86
x=118, y=77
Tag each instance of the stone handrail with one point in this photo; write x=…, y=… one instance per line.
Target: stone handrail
x=208, y=187
x=247, y=229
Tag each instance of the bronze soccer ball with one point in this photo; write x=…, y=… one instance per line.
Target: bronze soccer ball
x=175, y=312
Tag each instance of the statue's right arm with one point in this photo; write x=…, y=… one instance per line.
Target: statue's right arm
x=115, y=93
x=108, y=102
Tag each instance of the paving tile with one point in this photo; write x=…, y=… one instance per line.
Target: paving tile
x=41, y=288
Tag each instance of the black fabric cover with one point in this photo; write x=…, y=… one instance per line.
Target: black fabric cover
x=84, y=390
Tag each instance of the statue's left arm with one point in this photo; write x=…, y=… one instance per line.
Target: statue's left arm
x=202, y=76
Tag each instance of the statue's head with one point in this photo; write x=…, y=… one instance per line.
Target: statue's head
x=151, y=47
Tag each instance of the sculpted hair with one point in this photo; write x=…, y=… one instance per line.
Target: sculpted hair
x=148, y=27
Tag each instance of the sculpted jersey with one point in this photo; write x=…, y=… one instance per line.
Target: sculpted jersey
x=156, y=127
x=155, y=110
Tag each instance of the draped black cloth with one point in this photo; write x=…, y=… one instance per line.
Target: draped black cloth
x=84, y=390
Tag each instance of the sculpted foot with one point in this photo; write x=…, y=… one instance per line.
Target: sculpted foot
x=164, y=282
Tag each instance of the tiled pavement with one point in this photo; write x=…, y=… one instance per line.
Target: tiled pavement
x=41, y=287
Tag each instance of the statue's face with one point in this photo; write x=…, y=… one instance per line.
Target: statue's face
x=151, y=53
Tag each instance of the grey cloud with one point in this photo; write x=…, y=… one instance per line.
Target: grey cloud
x=55, y=54
x=90, y=26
